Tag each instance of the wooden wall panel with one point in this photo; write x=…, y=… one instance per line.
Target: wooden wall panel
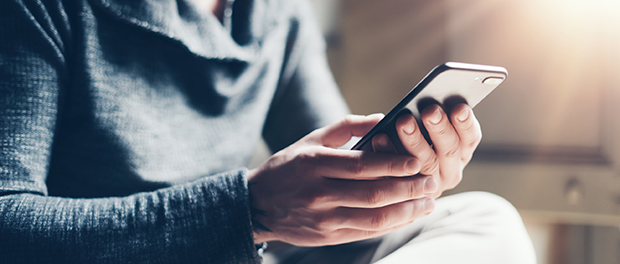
x=386, y=48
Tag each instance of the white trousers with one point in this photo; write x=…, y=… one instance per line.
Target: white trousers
x=474, y=227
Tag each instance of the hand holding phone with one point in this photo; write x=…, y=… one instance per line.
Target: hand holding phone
x=435, y=123
x=446, y=85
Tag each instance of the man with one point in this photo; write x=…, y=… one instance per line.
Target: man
x=125, y=126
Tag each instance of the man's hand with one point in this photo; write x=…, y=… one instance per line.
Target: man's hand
x=454, y=140
x=312, y=194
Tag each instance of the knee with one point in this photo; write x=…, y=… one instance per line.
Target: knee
x=486, y=205
x=491, y=215
x=486, y=213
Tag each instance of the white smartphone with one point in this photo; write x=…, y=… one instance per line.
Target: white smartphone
x=447, y=85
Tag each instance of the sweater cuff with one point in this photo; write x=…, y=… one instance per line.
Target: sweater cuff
x=227, y=210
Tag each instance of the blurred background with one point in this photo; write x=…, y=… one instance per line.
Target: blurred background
x=551, y=141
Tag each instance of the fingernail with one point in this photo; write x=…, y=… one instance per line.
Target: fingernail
x=435, y=116
x=430, y=185
x=409, y=127
x=462, y=116
x=429, y=205
x=412, y=166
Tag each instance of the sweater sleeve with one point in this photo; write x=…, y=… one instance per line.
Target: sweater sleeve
x=307, y=97
x=206, y=221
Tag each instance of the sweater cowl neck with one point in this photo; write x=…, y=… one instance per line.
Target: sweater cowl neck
x=202, y=33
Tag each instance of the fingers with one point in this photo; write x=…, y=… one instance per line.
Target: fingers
x=339, y=133
x=454, y=141
x=446, y=143
x=377, y=193
x=363, y=165
x=368, y=223
x=413, y=141
x=378, y=219
x=468, y=129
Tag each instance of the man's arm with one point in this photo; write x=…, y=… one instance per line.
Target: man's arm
x=182, y=224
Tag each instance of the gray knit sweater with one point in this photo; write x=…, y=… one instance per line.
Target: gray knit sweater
x=125, y=124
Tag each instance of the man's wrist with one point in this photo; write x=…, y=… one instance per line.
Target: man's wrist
x=260, y=232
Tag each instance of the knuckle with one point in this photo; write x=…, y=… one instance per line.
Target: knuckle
x=475, y=136
x=443, y=130
x=416, y=141
x=375, y=196
x=476, y=140
x=432, y=164
x=309, y=160
x=393, y=168
x=412, y=189
x=348, y=120
x=313, y=201
x=305, y=158
x=324, y=222
x=380, y=221
x=357, y=167
x=467, y=126
x=453, y=150
x=317, y=199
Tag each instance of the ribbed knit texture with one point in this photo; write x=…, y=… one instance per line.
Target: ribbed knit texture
x=125, y=124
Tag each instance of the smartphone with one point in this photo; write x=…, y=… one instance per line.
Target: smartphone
x=448, y=84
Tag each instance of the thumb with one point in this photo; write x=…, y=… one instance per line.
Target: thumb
x=339, y=133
